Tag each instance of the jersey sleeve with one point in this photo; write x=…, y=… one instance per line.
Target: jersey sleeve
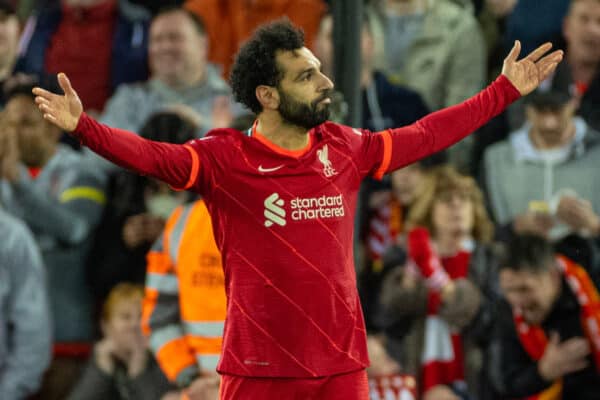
x=172, y=163
x=437, y=131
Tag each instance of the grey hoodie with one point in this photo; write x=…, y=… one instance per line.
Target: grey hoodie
x=516, y=173
x=25, y=332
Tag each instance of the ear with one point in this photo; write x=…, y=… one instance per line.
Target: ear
x=268, y=97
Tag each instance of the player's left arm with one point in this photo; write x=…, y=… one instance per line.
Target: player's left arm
x=443, y=128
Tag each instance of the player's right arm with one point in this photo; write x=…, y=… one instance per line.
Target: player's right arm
x=172, y=163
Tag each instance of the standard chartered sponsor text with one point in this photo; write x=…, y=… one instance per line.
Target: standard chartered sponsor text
x=317, y=207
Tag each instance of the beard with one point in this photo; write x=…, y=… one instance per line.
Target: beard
x=305, y=115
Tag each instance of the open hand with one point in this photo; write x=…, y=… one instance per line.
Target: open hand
x=578, y=214
x=527, y=74
x=62, y=110
x=562, y=358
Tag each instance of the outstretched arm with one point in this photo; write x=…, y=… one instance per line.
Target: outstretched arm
x=443, y=128
x=168, y=162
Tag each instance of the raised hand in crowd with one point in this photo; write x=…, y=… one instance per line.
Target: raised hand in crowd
x=562, y=358
x=533, y=222
x=133, y=354
x=578, y=214
x=142, y=228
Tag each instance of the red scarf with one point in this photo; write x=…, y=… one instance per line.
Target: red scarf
x=534, y=339
x=443, y=354
x=385, y=225
x=392, y=387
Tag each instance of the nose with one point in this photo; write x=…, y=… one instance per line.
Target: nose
x=550, y=122
x=327, y=84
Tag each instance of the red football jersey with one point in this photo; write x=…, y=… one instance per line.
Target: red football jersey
x=284, y=220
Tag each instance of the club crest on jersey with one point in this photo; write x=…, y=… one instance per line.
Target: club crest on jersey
x=323, y=156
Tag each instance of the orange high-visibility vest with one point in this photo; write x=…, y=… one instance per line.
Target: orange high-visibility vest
x=185, y=305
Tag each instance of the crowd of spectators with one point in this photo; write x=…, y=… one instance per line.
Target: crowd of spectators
x=478, y=268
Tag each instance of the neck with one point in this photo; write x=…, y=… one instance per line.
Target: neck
x=449, y=244
x=290, y=137
x=582, y=70
x=541, y=144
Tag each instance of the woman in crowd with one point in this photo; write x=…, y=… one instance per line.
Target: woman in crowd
x=122, y=367
x=447, y=289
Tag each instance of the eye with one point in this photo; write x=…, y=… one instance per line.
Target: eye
x=308, y=76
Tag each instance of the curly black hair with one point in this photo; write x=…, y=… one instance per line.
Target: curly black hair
x=255, y=63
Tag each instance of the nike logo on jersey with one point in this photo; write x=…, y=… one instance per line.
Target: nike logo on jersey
x=262, y=169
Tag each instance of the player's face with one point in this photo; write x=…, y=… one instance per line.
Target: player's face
x=304, y=91
x=532, y=293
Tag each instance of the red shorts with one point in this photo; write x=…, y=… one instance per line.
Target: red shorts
x=350, y=386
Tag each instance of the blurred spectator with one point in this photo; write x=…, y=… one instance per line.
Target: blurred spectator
x=179, y=72
x=555, y=156
x=185, y=304
x=546, y=344
x=51, y=190
x=230, y=22
x=385, y=227
x=436, y=48
x=25, y=331
x=100, y=44
x=137, y=209
x=522, y=22
x=579, y=75
x=9, y=41
x=122, y=367
x=448, y=288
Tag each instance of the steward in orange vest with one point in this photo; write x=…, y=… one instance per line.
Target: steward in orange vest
x=184, y=305
x=548, y=343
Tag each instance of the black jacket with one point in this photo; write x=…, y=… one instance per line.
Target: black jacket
x=515, y=374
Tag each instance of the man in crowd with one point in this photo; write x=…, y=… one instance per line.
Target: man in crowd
x=48, y=187
x=547, y=343
x=282, y=199
x=179, y=74
x=554, y=156
x=25, y=328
